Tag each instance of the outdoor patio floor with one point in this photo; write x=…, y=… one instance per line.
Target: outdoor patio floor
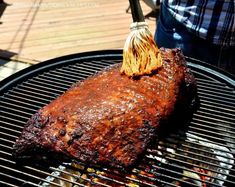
x=33, y=31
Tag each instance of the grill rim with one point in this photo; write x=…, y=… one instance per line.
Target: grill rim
x=30, y=71
x=24, y=74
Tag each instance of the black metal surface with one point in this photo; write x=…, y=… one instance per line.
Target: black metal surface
x=204, y=149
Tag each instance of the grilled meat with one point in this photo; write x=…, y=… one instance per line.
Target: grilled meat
x=110, y=119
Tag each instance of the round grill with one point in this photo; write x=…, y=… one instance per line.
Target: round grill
x=202, y=154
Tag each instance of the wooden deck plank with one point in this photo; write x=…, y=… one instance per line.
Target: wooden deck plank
x=36, y=35
x=38, y=30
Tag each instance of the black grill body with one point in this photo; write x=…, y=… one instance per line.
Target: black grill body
x=202, y=154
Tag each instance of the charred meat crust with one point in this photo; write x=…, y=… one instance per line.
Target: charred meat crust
x=110, y=119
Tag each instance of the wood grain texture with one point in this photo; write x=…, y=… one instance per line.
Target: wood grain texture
x=37, y=30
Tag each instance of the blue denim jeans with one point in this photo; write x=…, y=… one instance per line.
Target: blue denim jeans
x=172, y=34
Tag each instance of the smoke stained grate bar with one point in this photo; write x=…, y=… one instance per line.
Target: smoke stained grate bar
x=200, y=155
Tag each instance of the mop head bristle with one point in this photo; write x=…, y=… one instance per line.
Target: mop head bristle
x=140, y=54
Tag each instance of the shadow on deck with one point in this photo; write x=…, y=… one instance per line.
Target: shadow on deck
x=3, y=6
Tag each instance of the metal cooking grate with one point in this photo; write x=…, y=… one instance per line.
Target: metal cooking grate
x=200, y=155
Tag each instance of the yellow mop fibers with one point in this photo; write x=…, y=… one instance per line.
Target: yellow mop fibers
x=140, y=54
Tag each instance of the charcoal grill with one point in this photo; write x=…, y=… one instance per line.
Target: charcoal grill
x=200, y=155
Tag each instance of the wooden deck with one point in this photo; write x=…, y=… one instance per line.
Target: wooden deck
x=36, y=30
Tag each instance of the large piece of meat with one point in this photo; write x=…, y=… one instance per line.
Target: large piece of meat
x=110, y=119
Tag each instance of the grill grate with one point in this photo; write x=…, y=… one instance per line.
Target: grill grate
x=200, y=155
